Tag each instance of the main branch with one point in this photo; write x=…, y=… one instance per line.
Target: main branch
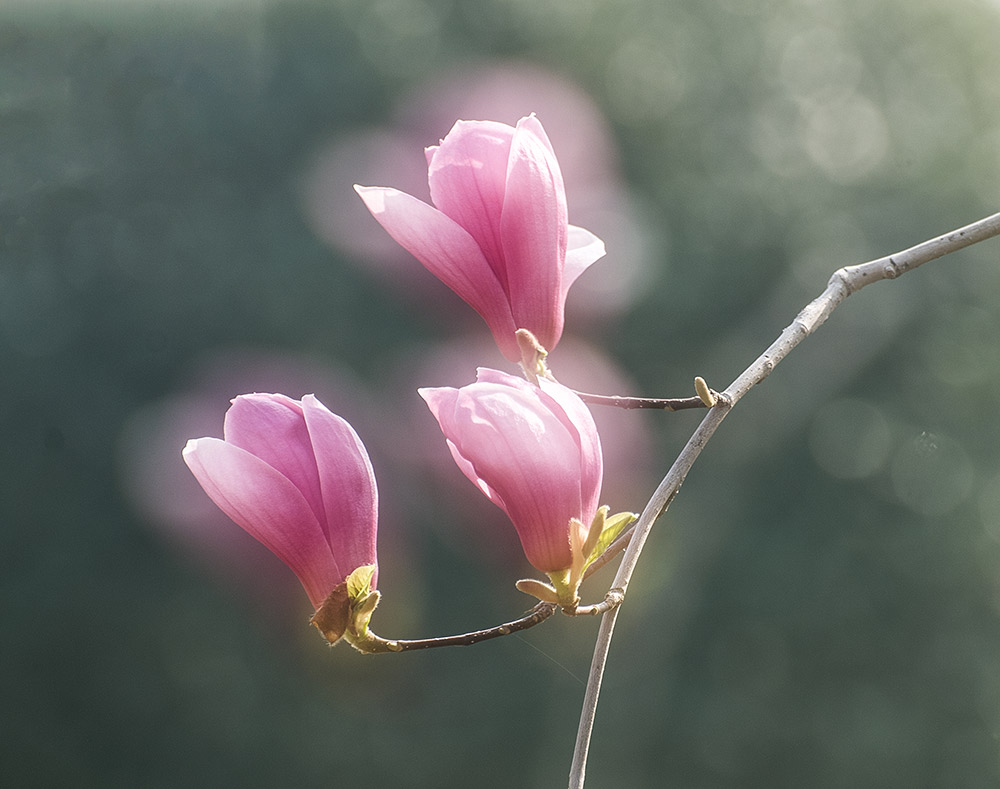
x=842, y=284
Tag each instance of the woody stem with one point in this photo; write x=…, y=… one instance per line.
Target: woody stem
x=372, y=643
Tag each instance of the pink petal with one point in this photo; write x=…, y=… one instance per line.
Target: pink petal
x=271, y=427
x=441, y=401
x=583, y=249
x=579, y=421
x=534, y=233
x=533, y=465
x=269, y=507
x=567, y=406
x=467, y=175
x=529, y=461
x=448, y=252
x=347, y=483
x=470, y=472
x=575, y=416
x=487, y=375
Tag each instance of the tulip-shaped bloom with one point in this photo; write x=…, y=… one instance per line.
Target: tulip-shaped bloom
x=534, y=451
x=497, y=233
x=298, y=479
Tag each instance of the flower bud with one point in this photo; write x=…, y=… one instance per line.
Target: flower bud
x=297, y=478
x=534, y=452
x=497, y=233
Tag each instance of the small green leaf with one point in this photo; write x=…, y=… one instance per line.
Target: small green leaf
x=359, y=582
x=613, y=526
x=595, y=531
x=567, y=586
x=362, y=610
x=539, y=589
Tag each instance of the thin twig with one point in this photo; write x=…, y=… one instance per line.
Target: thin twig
x=612, y=599
x=842, y=284
x=662, y=403
x=535, y=616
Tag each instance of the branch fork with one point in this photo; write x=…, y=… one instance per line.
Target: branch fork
x=842, y=284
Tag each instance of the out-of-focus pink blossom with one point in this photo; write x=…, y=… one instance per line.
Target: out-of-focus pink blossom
x=297, y=478
x=497, y=233
x=533, y=450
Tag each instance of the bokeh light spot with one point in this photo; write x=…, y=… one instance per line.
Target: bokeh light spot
x=850, y=439
x=847, y=137
x=816, y=66
x=931, y=474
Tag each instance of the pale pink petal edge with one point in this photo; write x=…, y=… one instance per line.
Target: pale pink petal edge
x=268, y=507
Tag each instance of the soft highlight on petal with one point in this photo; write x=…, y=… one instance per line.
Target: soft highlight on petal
x=534, y=231
x=347, y=484
x=268, y=507
x=467, y=179
x=271, y=427
x=583, y=249
x=447, y=251
x=531, y=451
x=516, y=255
x=297, y=478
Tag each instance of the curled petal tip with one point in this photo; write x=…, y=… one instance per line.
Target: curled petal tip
x=298, y=479
x=497, y=233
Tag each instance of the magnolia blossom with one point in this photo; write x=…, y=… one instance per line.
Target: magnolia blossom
x=297, y=478
x=497, y=233
x=533, y=450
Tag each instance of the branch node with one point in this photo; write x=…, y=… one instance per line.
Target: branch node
x=614, y=598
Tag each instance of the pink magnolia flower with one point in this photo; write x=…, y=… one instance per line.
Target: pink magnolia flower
x=533, y=450
x=497, y=233
x=297, y=478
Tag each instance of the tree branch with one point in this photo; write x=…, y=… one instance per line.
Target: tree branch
x=842, y=284
x=373, y=644
x=663, y=403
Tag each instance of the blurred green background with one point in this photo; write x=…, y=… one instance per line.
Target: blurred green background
x=820, y=606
